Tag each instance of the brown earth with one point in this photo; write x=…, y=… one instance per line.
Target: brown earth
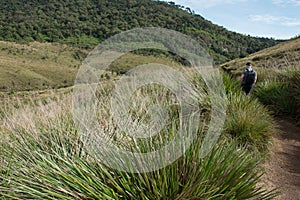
x=283, y=165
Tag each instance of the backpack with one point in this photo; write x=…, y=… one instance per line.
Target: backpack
x=250, y=77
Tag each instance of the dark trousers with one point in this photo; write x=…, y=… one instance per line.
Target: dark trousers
x=247, y=88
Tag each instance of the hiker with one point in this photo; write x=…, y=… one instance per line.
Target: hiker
x=248, y=78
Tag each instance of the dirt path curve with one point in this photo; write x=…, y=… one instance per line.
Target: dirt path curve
x=283, y=166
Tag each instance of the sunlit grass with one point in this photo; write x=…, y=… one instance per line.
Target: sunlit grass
x=281, y=93
x=43, y=157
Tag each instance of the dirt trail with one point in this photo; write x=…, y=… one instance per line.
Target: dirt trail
x=283, y=165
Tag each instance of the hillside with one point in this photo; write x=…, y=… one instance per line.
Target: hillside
x=284, y=55
x=86, y=23
x=38, y=66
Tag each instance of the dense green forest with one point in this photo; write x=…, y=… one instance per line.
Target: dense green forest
x=85, y=23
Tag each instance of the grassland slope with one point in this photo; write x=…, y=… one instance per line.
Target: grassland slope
x=283, y=55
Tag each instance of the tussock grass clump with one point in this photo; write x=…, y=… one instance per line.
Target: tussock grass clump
x=232, y=84
x=276, y=96
x=281, y=93
x=249, y=121
x=43, y=158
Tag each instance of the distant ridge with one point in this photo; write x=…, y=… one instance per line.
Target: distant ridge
x=84, y=23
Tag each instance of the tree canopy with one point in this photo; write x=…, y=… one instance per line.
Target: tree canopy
x=85, y=23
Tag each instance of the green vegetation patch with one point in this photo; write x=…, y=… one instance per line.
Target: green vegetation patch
x=85, y=23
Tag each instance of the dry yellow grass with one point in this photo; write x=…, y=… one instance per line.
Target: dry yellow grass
x=284, y=55
x=37, y=65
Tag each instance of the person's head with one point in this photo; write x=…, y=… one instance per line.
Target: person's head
x=248, y=64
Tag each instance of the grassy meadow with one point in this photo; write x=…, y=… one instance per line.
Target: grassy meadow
x=42, y=156
x=37, y=66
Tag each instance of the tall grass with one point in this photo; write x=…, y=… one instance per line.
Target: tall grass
x=249, y=121
x=53, y=167
x=42, y=157
x=281, y=93
x=232, y=84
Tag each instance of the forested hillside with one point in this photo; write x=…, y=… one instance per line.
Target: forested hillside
x=85, y=23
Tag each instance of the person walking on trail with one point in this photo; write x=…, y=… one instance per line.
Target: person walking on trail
x=248, y=78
